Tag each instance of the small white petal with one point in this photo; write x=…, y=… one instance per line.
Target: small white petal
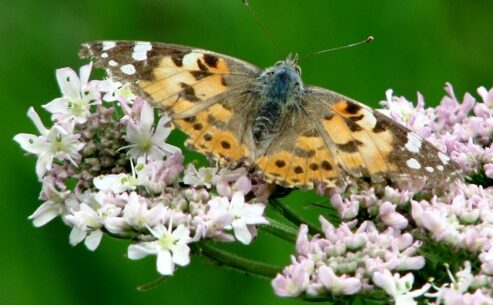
x=93, y=239
x=181, y=233
x=181, y=254
x=69, y=82
x=164, y=263
x=76, y=236
x=57, y=105
x=85, y=72
x=242, y=233
x=146, y=117
x=45, y=213
x=31, y=143
x=33, y=115
x=140, y=251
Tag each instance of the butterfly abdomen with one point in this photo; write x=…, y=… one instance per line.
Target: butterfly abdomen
x=266, y=119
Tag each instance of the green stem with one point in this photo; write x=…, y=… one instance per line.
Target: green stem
x=238, y=263
x=280, y=230
x=291, y=215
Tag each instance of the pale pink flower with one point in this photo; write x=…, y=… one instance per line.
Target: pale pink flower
x=292, y=282
x=147, y=140
x=338, y=284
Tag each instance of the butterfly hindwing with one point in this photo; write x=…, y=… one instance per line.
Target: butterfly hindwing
x=370, y=144
x=298, y=155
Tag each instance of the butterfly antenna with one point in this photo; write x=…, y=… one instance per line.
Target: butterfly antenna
x=262, y=27
x=369, y=39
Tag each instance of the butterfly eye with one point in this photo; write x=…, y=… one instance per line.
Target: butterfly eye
x=297, y=69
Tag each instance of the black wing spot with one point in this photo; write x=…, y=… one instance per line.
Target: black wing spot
x=188, y=93
x=210, y=60
x=314, y=166
x=198, y=75
x=202, y=67
x=177, y=59
x=298, y=170
x=225, y=144
x=326, y=165
x=197, y=126
x=280, y=163
x=351, y=146
x=380, y=126
x=352, y=108
x=328, y=117
x=353, y=126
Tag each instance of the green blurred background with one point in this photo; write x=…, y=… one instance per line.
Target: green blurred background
x=419, y=45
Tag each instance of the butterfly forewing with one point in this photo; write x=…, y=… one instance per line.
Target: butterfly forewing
x=203, y=91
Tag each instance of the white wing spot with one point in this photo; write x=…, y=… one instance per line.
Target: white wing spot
x=104, y=55
x=128, y=69
x=413, y=163
x=140, y=50
x=440, y=168
x=444, y=158
x=108, y=45
x=414, y=142
x=112, y=63
x=429, y=169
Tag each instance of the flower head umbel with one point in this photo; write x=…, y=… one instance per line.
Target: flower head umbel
x=388, y=233
x=107, y=169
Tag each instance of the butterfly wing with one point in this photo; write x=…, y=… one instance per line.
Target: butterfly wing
x=330, y=136
x=205, y=93
x=368, y=143
x=299, y=156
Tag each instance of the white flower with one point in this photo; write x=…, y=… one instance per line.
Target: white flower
x=57, y=203
x=399, y=288
x=170, y=247
x=203, y=177
x=78, y=95
x=245, y=215
x=115, y=90
x=117, y=183
x=88, y=223
x=145, y=139
x=57, y=142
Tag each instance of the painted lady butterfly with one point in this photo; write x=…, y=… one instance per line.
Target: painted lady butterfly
x=296, y=135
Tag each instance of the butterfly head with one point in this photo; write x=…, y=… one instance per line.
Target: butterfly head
x=283, y=80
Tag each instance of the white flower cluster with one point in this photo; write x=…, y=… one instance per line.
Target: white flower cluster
x=130, y=183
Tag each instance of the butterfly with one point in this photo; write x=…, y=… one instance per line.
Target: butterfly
x=296, y=135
